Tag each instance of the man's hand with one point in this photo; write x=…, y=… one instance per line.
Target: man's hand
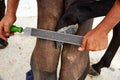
x=8, y=19
x=94, y=40
x=5, y=24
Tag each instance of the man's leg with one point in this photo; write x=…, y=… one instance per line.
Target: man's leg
x=75, y=64
x=45, y=56
x=2, y=9
x=77, y=12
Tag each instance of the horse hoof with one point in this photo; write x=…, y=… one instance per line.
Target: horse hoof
x=92, y=71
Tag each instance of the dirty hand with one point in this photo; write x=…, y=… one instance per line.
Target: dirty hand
x=94, y=40
x=5, y=24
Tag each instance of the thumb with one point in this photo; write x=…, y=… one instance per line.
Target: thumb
x=83, y=45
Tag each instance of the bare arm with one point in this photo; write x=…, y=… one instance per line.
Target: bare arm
x=9, y=18
x=12, y=6
x=97, y=39
x=112, y=18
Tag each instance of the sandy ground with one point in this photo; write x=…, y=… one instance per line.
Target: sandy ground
x=15, y=59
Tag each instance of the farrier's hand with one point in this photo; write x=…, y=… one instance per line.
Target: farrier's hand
x=94, y=40
x=97, y=39
x=5, y=24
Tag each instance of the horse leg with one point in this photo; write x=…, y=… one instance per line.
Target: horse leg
x=75, y=64
x=45, y=56
x=110, y=52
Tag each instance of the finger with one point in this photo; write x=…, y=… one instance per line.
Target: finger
x=7, y=34
x=3, y=37
x=11, y=34
x=93, y=46
x=1, y=29
x=7, y=30
x=83, y=45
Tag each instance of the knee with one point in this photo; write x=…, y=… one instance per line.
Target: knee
x=45, y=57
x=40, y=74
x=44, y=63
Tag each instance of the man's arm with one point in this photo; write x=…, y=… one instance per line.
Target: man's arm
x=9, y=18
x=12, y=6
x=112, y=18
x=97, y=39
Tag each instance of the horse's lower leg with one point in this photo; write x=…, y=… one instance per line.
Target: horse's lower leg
x=110, y=52
x=45, y=56
x=75, y=64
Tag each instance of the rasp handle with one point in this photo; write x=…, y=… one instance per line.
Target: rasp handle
x=13, y=29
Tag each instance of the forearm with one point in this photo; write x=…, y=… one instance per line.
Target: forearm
x=111, y=19
x=12, y=7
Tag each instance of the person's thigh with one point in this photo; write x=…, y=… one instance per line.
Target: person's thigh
x=75, y=64
x=45, y=56
x=94, y=9
x=2, y=9
x=77, y=12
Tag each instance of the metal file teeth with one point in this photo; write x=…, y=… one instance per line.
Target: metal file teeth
x=54, y=36
x=72, y=29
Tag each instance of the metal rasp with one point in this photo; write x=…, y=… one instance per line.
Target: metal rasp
x=49, y=35
x=71, y=29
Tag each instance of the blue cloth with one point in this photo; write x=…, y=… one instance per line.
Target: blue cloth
x=29, y=75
